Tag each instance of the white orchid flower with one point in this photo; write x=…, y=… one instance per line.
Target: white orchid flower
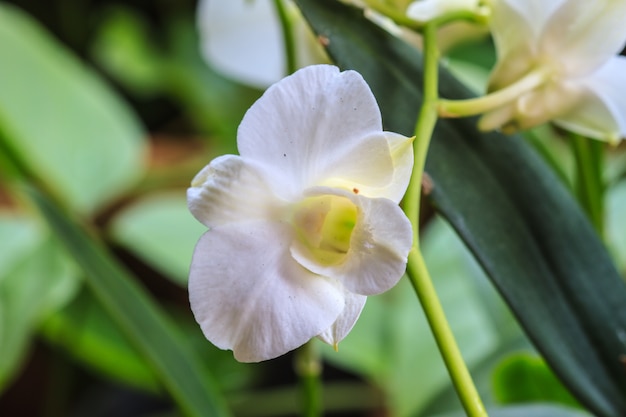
x=305, y=223
x=243, y=39
x=557, y=60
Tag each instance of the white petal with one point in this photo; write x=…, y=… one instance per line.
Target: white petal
x=546, y=103
x=230, y=189
x=402, y=155
x=379, y=246
x=584, y=34
x=249, y=295
x=354, y=304
x=601, y=111
x=380, y=167
x=425, y=10
x=313, y=124
x=516, y=26
x=242, y=39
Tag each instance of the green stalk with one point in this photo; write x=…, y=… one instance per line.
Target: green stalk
x=416, y=267
x=589, y=184
x=309, y=369
x=478, y=105
x=286, y=24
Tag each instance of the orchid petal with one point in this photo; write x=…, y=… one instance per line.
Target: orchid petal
x=585, y=34
x=354, y=304
x=516, y=26
x=544, y=104
x=220, y=193
x=312, y=124
x=601, y=111
x=379, y=246
x=249, y=295
x=367, y=169
x=254, y=55
x=425, y=10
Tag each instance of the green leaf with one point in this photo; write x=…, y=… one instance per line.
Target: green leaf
x=124, y=48
x=160, y=229
x=534, y=410
x=616, y=223
x=88, y=334
x=523, y=226
x=35, y=280
x=60, y=120
x=138, y=315
x=525, y=378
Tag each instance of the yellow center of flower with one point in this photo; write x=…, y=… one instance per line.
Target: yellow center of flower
x=325, y=224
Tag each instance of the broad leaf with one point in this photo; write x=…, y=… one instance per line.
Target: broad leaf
x=525, y=378
x=160, y=229
x=527, y=232
x=60, y=120
x=35, y=280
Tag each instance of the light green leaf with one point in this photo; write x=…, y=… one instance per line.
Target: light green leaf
x=525, y=378
x=160, y=229
x=616, y=223
x=531, y=410
x=35, y=280
x=61, y=120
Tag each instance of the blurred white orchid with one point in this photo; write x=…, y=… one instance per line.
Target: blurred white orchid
x=305, y=223
x=243, y=39
x=557, y=60
x=425, y=10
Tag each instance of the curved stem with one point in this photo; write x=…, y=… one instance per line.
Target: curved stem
x=461, y=378
x=288, y=36
x=474, y=106
x=416, y=267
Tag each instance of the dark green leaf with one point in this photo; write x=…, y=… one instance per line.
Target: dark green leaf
x=529, y=235
x=88, y=334
x=141, y=319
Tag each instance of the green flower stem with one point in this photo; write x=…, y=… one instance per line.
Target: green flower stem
x=309, y=369
x=589, y=184
x=474, y=106
x=286, y=24
x=416, y=267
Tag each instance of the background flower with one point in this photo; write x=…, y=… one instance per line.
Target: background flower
x=573, y=44
x=244, y=40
